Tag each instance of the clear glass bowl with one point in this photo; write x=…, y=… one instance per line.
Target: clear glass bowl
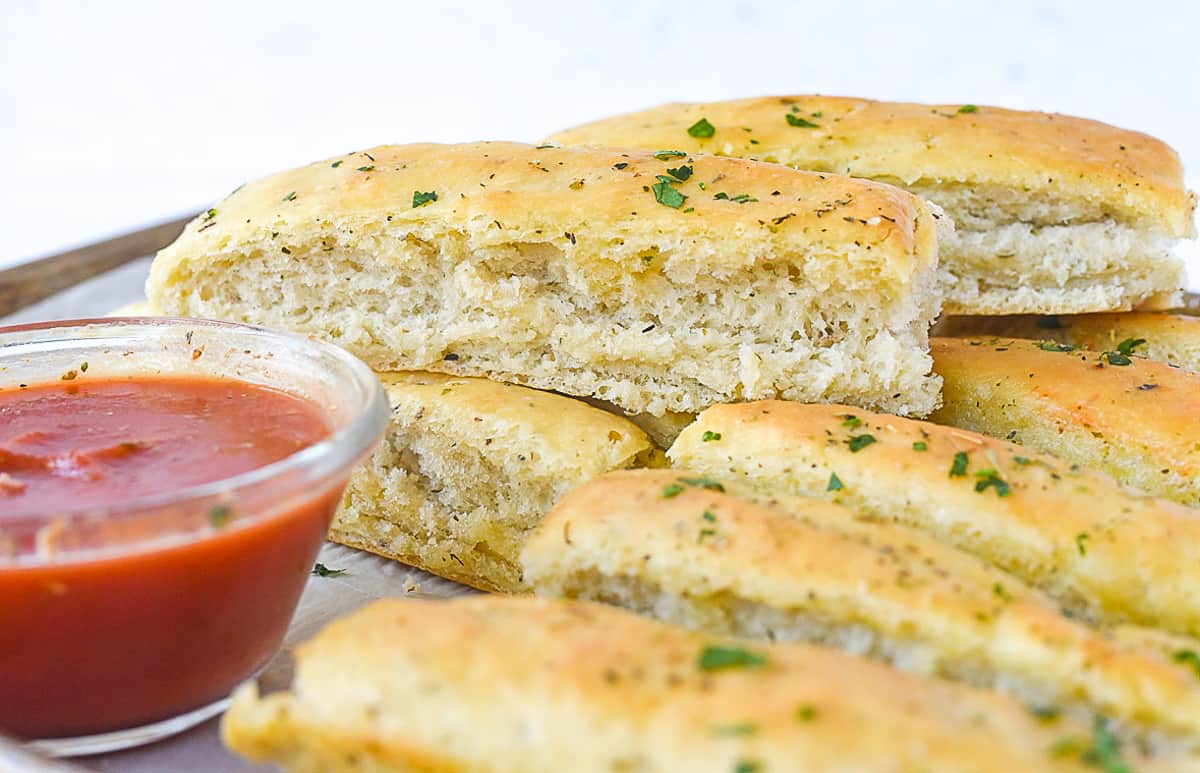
x=142, y=617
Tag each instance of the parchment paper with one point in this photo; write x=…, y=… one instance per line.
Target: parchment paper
x=367, y=577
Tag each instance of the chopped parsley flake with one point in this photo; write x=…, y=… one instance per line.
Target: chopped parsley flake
x=665, y=194
x=958, y=467
x=421, y=199
x=671, y=490
x=920, y=445
x=709, y=436
x=681, y=172
x=857, y=443
x=1022, y=460
x=219, y=515
x=747, y=766
x=320, y=570
x=717, y=658
x=663, y=155
x=835, y=483
x=806, y=712
x=290, y=197
x=990, y=478
x=701, y=129
x=1106, y=748
x=703, y=482
x=1127, y=346
x=1001, y=592
x=336, y=164
x=209, y=215
x=1045, y=713
x=708, y=516
x=1116, y=358
x=1187, y=657
x=370, y=168
x=849, y=420
x=968, y=109
x=803, y=123
x=1081, y=542
x=1054, y=346
x=706, y=533
x=741, y=198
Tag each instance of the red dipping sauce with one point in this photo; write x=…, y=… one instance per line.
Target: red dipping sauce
x=157, y=528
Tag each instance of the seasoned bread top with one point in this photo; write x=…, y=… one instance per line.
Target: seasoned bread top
x=986, y=495
x=581, y=201
x=1124, y=174
x=1143, y=408
x=530, y=685
x=550, y=434
x=1170, y=338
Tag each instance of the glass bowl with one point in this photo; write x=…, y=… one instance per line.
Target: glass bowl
x=123, y=624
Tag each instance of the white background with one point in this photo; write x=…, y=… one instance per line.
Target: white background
x=118, y=114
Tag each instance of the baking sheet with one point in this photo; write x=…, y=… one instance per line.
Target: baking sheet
x=367, y=577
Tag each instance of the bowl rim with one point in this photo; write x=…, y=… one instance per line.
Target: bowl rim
x=334, y=453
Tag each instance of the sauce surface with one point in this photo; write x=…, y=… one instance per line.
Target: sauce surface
x=120, y=639
x=90, y=443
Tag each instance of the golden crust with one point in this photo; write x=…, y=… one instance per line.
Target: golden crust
x=794, y=448
x=713, y=560
x=1136, y=422
x=1170, y=338
x=1129, y=174
x=469, y=466
x=522, y=685
x=503, y=191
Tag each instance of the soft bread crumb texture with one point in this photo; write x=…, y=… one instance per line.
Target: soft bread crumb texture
x=1053, y=213
x=688, y=550
x=1135, y=421
x=468, y=467
x=1173, y=339
x=985, y=496
x=525, y=685
x=559, y=269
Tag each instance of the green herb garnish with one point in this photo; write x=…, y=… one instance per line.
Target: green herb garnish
x=1127, y=346
x=1116, y=358
x=701, y=129
x=665, y=194
x=421, y=199
x=1022, y=460
x=747, y=766
x=370, y=168
x=990, y=478
x=1081, y=542
x=849, y=420
x=1054, y=346
x=857, y=443
x=671, y=490
x=219, y=515
x=920, y=445
x=741, y=198
x=968, y=109
x=703, y=482
x=681, y=172
x=209, y=215
x=709, y=436
x=958, y=467
x=1187, y=657
x=709, y=516
x=1045, y=713
x=663, y=155
x=835, y=483
x=290, y=197
x=717, y=658
x=795, y=120
x=1106, y=749
x=1001, y=592
x=806, y=712
x=336, y=164
x=320, y=570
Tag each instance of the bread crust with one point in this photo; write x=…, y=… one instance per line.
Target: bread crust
x=523, y=685
x=1173, y=339
x=1044, y=154
x=1136, y=422
x=1060, y=527
x=559, y=269
x=469, y=466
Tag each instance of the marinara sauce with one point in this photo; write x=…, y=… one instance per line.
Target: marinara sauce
x=130, y=636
